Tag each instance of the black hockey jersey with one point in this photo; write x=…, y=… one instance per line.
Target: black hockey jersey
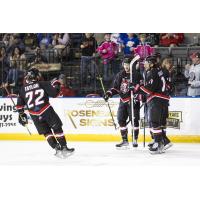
x=155, y=84
x=35, y=96
x=121, y=84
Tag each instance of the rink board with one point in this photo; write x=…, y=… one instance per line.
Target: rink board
x=88, y=119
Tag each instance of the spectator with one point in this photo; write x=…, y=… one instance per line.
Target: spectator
x=192, y=73
x=167, y=64
x=17, y=59
x=88, y=48
x=44, y=40
x=115, y=37
x=15, y=41
x=130, y=43
x=108, y=51
x=4, y=66
x=15, y=74
x=153, y=39
x=143, y=50
x=65, y=91
x=171, y=39
x=30, y=41
x=38, y=57
x=61, y=44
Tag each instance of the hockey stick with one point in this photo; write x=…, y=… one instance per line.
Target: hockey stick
x=144, y=139
x=104, y=92
x=100, y=78
x=8, y=93
x=136, y=58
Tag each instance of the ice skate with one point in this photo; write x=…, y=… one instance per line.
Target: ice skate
x=167, y=145
x=67, y=151
x=135, y=144
x=59, y=153
x=151, y=143
x=123, y=145
x=157, y=148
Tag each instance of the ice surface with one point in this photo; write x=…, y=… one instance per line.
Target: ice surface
x=96, y=154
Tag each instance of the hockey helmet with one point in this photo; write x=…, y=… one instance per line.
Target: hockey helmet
x=151, y=60
x=127, y=59
x=157, y=55
x=32, y=74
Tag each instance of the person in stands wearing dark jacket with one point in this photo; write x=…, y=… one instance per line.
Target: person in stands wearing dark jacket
x=88, y=47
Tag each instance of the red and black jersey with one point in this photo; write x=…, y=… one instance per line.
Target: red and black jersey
x=35, y=96
x=155, y=84
x=122, y=82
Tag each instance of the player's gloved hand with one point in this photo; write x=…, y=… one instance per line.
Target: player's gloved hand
x=107, y=96
x=23, y=119
x=131, y=87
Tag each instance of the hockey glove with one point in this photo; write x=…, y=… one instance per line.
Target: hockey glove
x=107, y=96
x=134, y=88
x=23, y=119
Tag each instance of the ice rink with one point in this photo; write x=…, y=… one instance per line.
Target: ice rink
x=96, y=154
x=98, y=171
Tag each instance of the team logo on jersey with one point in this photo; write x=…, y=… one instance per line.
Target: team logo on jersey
x=124, y=86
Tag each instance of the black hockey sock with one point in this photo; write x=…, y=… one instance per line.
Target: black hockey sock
x=151, y=133
x=124, y=134
x=51, y=140
x=164, y=136
x=158, y=137
x=61, y=140
x=136, y=133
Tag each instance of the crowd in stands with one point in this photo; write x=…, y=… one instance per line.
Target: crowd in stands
x=98, y=54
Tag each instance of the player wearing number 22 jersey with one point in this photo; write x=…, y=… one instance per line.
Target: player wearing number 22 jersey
x=34, y=95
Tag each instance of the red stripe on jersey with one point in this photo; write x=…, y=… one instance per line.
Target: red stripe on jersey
x=42, y=110
x=145, y=90
x=114, y=89
x=125, y=99
x=19, y=107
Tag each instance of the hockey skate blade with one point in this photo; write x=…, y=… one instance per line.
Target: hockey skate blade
x=156, y=152
x=68, y=154
x=168, y=146
x=61, y=156
x=123, y=148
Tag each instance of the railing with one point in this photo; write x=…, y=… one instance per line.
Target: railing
x=71, y=68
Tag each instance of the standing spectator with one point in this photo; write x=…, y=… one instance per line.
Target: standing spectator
x=17, y=65
x=143, y=50
x=192, y=73
x=115, y=37
x=4, y=66
x=61, y=44
x=108, y=51
x=130, y=43
x=88, y=48
x=171, y=39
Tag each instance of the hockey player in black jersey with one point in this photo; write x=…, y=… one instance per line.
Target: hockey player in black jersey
x=157, y=101
x=121, y=86
x=34, y=95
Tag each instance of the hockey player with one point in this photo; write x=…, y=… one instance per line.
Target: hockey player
x=154, y=89
x=121, y=87
x=35, y=96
